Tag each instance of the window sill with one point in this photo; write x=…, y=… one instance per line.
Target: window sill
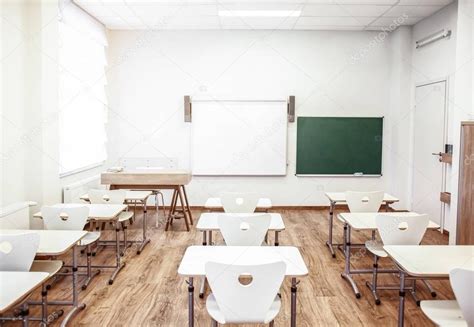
x=81, y=170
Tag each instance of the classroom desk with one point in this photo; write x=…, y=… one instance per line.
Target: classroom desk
x=340, y=197
x=194, y=260
x=102, y=213
x=208, y=223
x=428, y=262
x=134, y=197
x=15, y=287
x=263, y=204
x=172, y=179
x=364, y=221
x=54, y=243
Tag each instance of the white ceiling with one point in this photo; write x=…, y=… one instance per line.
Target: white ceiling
x=315, y=14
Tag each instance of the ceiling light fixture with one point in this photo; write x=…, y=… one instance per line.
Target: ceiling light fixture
x=433, y=38
x=259, y=13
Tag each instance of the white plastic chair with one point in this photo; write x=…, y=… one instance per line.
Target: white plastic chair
x=395, y=230
x=233, y=302
x=114, y=197
x=244, y=230
x=454, y=313
x=237, y=202
x=73, y=218
x=17, y=251
x=364, y=201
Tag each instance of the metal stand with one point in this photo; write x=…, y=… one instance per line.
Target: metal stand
x=294, y=289
x=191, y=302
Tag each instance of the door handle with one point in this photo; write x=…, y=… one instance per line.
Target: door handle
x=436, y=154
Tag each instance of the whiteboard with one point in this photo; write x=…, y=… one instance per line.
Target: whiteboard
x=239, y=138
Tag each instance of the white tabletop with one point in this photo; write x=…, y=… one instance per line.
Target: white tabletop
x=431, y=260
x=129, y=196
x=366, y=220
x=17, y=285
x=195, y=258
x=208, y=220
x=341, y=197
x=96, y=211
x=52, y=242
x=215, y=203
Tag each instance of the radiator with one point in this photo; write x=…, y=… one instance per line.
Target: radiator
x=73, y=192
x=16, y=215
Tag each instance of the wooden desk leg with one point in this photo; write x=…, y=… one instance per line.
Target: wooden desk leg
x=187, y=205
x=181, y=201
x=169, y=220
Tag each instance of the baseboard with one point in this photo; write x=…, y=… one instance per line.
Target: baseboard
x=338, y=207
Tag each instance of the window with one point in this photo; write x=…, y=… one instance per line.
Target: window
x=82, y=82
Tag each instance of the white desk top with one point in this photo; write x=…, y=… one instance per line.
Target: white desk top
x=129, y=196
x=17, y=285
x=341, y=197
x=208, y=220
x=366, y=220
x=215, y=203
x=431, y=260
x=52, y=242
x=97, y=211
x=195, y=258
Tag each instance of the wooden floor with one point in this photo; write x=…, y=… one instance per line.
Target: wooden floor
x=149, y=292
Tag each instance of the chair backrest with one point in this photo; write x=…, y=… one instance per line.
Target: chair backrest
x=401, y=230
x=107, y=196
x=364, y=201
x=462, y=282
x=65, y=218
x=17, y=251
x=244, y=230
x=237, y=202
x=241, y=303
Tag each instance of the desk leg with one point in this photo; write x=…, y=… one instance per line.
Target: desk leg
x=145, y=239
x=75, y=301
x=401, y=306
x=186, y=214
x=169, y=221
x=203, y=279
x=187, y=205
x=331, y=221
x=191, y=302
x=294, y=288
x=119, y=264
x=277, y=242
x=347, y=266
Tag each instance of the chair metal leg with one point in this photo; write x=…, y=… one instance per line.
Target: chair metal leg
x=373, y=286
x=125, y=244
x=272, y=323
x=90, y=275
x=413, y=293
x=202, y=288
x=214, y=323
x=430, y=288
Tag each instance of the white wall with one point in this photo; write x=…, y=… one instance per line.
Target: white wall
x=462, y=101
x=29, y=104
x=330, y=73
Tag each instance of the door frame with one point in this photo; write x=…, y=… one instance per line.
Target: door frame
x=445, y=140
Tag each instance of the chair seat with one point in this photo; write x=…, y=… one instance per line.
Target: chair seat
x=125, y=215
x=376, y=248
x=443, y=313
x=216, y=314
x=49, y=266
x=90, y=238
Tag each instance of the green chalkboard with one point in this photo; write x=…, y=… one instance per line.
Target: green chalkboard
x=339, y=146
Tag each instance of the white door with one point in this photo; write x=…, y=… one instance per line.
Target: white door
x=430, y=119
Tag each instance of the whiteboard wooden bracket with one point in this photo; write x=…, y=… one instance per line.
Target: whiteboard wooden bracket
x=291, y=109
x=187, y=109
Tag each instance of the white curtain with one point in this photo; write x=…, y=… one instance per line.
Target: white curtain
x=82, y=82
